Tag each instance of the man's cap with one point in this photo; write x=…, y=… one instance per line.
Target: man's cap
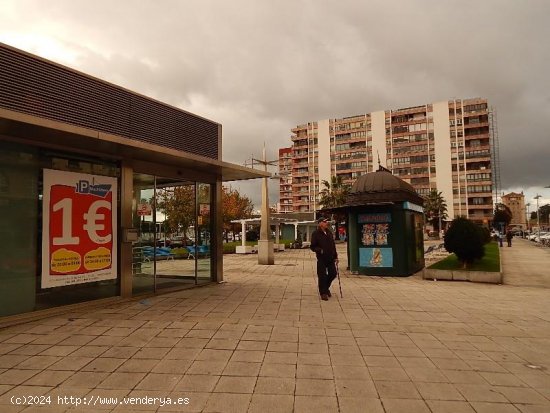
x=322, y=219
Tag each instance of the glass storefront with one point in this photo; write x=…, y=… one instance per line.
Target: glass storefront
x=21, y=215
x=45, y=262
x=172, y=218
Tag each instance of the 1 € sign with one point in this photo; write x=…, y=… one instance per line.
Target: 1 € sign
x=81, y=229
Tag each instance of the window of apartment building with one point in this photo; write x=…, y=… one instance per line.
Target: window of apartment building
x=480, y=188
x=402, y=171
x=419, y=171
x=478, y=201
x=417, y=127
x=401, y=139
x=401, y=129
x=423, y=191
x=476, y=154
x=475, y=108
x=478, y=177
x=419, y=181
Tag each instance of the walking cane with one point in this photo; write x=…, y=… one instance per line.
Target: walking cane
x=339, y=282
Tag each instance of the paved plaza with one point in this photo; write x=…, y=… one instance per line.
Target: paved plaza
x=264, y=342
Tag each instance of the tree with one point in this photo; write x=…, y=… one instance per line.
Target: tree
x=178, y=205
x=334, y=195
x=464, y=239
x=435, y=208
x=501, y=215
x=235, y=206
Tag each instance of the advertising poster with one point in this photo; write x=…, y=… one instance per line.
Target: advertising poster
x=79, y=228
x=375, y=257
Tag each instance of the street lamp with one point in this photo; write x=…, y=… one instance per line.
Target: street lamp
x=265, y=245
x=538, y=213
x=528, y=217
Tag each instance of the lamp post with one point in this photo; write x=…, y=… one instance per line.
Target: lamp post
x=538, y=213
x=265, y=245
x=528, y=217
x=439, y=219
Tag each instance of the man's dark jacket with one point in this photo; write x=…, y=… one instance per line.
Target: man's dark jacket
x=323, y=245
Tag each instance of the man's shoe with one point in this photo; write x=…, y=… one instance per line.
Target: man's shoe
x=329, y=294
x=324, y=297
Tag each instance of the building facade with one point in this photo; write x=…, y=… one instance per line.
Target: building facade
x=442, y=145
x=516, y=203
x=285, y=180
x=89, y=175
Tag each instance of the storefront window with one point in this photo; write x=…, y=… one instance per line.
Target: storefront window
x=64, y=264
x=18, y=228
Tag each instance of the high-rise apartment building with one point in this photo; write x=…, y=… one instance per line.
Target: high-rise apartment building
x=442, y=145
x=285, y=183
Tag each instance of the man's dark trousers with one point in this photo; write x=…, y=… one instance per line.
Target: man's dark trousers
x=326, y=272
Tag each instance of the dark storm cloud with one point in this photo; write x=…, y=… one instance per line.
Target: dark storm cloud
x=260, y=68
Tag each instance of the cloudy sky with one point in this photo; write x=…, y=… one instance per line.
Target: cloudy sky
x=260, y=67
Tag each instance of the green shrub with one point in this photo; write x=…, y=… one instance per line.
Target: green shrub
x=464, y=239
x=484, y=234
x=180, y=252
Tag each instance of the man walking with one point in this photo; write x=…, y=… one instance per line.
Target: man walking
x=509, y=237
x=322, y=243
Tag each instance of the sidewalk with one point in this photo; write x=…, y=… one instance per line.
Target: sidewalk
x=526, y=264
x=264, y=342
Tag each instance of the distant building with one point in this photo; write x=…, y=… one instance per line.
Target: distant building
x=444, y=145
x=516, y=203
x=285, y=183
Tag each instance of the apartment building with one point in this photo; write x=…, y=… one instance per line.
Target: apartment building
x=444, y=145
x=285, y=183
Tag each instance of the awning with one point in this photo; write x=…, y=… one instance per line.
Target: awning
x=36, y=130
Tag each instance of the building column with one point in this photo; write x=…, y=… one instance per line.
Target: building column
x=217, y=273
x=243, y=233
x=126, y=255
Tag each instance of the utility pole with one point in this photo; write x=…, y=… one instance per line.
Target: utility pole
x=265, y=244
x=528, y=217
x=538, y=214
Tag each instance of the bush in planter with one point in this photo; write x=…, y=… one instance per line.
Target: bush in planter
x=485, y=234
x=464, y=239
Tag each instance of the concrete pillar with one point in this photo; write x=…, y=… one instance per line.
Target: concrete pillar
x=126, y=256
x=243, y=234
x=277, y=227
x=265, y=245
x=295, y=231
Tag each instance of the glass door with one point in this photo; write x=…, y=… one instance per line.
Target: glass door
x=204, y=233
x=176, y=213
x=174, y=227
x=143, y=251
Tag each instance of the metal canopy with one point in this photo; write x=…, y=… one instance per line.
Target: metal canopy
x=39, y=131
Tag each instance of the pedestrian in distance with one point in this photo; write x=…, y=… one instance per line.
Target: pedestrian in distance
x=509, y=237
x=322, y=243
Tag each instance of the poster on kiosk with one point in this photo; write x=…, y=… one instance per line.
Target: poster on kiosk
x=79, y=228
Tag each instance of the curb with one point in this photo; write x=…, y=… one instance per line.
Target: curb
x=472, y=276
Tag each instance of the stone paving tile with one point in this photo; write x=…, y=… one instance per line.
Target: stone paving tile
x=405, y=406
x=445, y=406
x=264, y=341
x=280, y=403
x=228, y=402
x=315, y=404
x=485, y=407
